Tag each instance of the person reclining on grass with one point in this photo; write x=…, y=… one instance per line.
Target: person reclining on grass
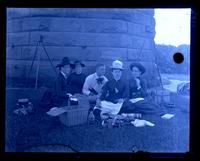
x=139, y=103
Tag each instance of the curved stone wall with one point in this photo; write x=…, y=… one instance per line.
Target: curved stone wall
x=92, y=35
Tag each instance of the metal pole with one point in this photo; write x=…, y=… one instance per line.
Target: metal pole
x=37, y=72
x=32, y=64
x=157, y=68
x=159, y=75
x=49, y=58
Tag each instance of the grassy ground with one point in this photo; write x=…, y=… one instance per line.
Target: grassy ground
x=182, y=77
x=39, y=129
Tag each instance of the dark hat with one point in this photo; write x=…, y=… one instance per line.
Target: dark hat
x=78, y=62
x=139, y=66
x=65, y=61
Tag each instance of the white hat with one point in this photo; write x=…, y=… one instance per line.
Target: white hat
x=117, y=65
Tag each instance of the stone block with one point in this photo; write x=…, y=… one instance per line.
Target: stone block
x=98, y=13
x=149, y=29
x=140, y=55
x=149, y=44
x=82, y=39
x=88, y=25
x=15, y=39
x=21, y=68
x=113, y=53
x=136, y=29
x=133, y=54
x=36, y=24
x=17, y=12
x=13, y=52
x=137, y=42
x=141, y=18
x=54, y=52
x=133, y=15
x=57, y=53
x=16, y=68
x=14, y=25
x=142, y=43
x=56, y=12
x=149, y=12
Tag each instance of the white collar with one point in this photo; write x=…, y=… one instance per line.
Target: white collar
x=96, y=76
x=63, y=74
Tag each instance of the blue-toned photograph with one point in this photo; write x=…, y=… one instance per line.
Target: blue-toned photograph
x=97, y=80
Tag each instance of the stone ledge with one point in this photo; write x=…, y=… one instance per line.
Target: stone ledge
x=132, y=15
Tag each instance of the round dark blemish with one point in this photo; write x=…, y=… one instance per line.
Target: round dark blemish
x=178, y=58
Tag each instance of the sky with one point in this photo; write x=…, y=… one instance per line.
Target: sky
x=172, y=26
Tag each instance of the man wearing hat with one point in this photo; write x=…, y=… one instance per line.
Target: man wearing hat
x=76, y=79
x=113, y=93
x=58, y=94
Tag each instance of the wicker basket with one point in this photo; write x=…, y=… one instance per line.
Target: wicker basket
x=76, y=114
x=74, y=117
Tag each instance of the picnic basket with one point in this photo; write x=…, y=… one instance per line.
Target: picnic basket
x=76, y=114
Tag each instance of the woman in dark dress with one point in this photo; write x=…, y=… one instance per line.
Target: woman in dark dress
x=138, y=90
x=58, y=94
x=76, y=79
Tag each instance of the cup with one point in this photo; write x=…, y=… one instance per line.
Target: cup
x=73, y=101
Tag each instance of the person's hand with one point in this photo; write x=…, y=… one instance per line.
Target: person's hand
x=120, y=100
x=69, y=94
x=98, y=103
x=138, y=83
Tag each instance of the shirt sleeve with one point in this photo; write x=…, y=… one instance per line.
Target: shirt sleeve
x=86, y=86
x=143, y=89
x=105, y=79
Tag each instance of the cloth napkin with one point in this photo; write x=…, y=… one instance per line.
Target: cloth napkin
x=167, y=116
x=134, y=100
x=55, y=111
x=141, y=123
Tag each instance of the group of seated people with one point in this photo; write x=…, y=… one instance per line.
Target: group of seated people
x=114, y=96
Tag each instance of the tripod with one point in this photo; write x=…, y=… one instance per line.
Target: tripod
x=39, y=43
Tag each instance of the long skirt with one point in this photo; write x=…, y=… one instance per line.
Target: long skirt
x=142, y=106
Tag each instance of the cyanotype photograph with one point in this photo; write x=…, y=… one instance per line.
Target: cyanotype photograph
x=97, y=80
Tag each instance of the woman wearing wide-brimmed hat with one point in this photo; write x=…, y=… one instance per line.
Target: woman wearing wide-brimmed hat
x=139, y=102
x=76, y=79
x=58, y=94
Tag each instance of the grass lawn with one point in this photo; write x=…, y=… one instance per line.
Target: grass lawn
x=40, y=129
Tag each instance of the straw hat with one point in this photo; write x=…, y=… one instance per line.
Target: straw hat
x=117, y=65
